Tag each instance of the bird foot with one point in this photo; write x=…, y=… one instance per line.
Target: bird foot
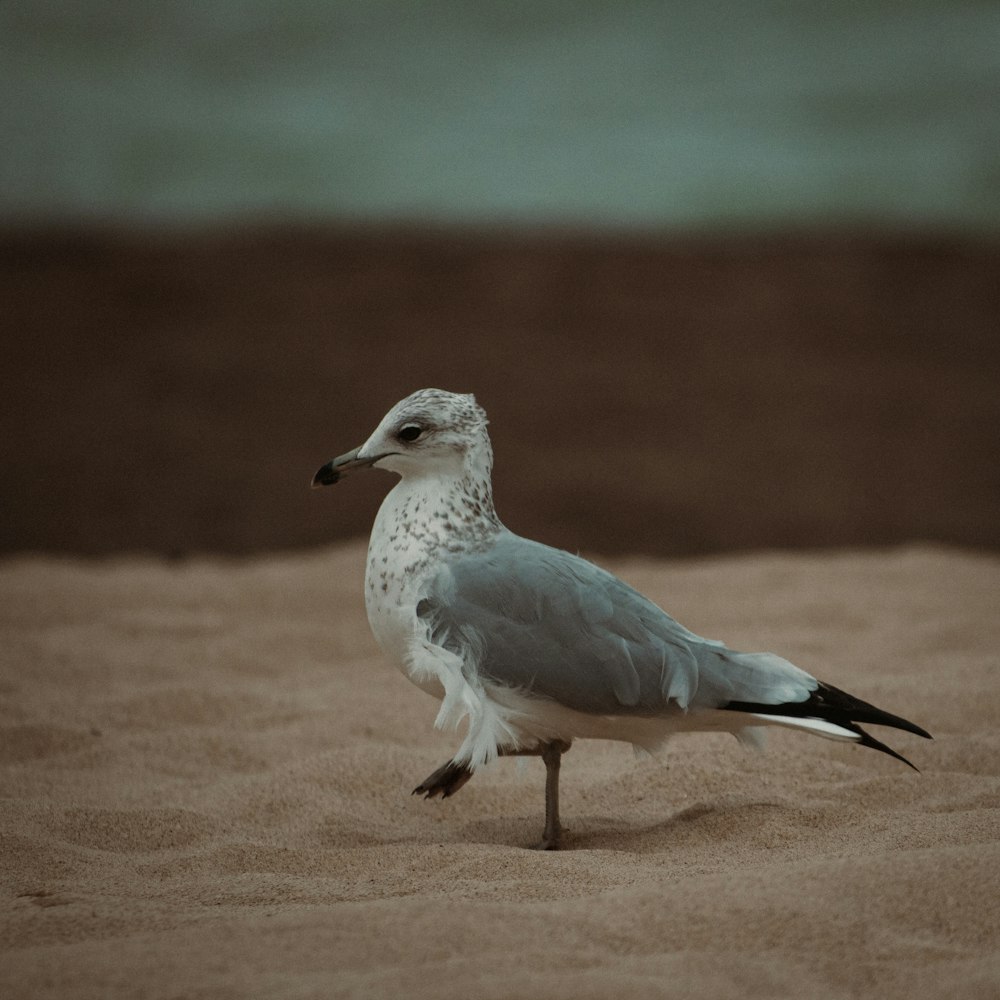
x=445, y=781
x=550, y=841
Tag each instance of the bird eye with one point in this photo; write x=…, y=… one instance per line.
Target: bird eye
x=410, y=432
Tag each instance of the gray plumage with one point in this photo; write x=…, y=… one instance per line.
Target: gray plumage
x=552, y=624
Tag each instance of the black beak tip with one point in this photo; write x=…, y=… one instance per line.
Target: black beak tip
x=326, y=476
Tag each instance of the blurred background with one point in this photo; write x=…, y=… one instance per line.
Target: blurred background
x=725, y=276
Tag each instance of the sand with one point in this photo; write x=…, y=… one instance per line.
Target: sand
x=207, y=768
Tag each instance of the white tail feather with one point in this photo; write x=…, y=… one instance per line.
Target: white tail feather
x=820, y=727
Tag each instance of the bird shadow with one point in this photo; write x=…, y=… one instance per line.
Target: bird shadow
x=691, y=826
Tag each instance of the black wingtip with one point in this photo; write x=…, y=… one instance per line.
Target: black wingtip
x=846, y=705
x=842, y=709
x=867, y=740
x=876, y=717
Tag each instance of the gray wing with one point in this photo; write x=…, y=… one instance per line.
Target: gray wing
x=540, y=619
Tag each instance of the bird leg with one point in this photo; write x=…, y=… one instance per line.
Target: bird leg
x=450, y=777
x=552, y=754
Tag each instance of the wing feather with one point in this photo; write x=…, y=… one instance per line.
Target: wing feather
x=543, y=620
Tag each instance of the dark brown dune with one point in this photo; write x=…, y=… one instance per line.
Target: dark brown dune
x=175, y=392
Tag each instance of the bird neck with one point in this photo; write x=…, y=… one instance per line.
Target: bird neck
x=450, y=510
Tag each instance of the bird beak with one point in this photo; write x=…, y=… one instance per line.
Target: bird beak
x=333, y=471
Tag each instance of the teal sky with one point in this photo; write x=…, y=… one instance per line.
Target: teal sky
x=614, y=113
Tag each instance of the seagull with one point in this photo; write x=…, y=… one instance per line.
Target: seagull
x=535, y=647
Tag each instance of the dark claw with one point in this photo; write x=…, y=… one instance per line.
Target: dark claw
x=445, y=781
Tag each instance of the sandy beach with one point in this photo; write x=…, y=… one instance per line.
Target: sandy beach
x=207, y=768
